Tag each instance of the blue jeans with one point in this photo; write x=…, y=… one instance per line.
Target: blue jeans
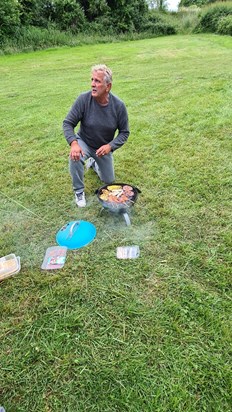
x=104, y=167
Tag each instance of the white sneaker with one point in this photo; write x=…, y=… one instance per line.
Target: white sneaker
x=80, y=199
x=89, y=163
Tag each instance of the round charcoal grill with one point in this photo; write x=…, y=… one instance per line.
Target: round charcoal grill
x=118, y=198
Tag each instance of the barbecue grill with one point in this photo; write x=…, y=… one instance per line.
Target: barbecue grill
x=118, y=198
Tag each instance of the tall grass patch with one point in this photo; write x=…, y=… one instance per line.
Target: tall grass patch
x=211, y=16
x=188, y=19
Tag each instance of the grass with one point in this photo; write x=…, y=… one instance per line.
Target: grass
x=30, y=39
x=154, y=333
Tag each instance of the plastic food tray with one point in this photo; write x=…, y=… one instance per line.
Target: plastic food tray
x=128, y=252
x=9, y=266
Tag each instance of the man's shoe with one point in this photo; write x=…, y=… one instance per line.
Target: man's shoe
x=80, y=199
x=89, y=163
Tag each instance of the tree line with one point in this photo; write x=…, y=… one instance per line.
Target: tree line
x=74, y=15
x=33, y=21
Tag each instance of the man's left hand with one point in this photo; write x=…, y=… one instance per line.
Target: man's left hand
x=103, y=150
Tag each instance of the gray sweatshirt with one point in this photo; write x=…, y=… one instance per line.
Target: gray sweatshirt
x=98, y=124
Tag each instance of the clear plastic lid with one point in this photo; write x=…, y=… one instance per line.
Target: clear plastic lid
x=9, y=265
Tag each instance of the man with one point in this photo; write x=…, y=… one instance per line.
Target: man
x=100, y=114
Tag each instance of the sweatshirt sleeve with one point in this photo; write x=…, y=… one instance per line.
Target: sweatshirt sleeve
x=73, y=117
x=123, y=129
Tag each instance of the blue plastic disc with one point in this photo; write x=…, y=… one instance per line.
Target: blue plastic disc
x=76, y=234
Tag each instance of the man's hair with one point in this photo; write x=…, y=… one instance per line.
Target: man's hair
x=106, y=70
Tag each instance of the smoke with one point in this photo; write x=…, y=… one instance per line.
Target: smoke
x=28, y=234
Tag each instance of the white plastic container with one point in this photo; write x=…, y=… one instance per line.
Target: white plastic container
x=9, y=266
x=127, y=252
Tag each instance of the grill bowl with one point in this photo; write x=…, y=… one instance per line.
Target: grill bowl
x=118, y=207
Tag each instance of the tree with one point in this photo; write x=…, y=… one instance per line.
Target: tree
x=35, y=12
x=68, y=15
x=121, y=15
x=108, y=16
x=157, y=4
x=9, y=18
x=128, y=15
x=94, y=8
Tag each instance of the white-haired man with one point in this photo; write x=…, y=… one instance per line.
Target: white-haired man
x=101, y=114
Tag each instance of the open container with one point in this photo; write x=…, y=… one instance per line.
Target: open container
x=9, y=266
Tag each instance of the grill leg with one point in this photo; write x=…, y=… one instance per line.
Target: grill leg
x=99, y=213
x=127, y=219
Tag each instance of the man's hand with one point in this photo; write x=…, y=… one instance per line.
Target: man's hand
x=103, y=150
x=76, y=151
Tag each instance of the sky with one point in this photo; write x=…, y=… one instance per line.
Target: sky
x=173, y=4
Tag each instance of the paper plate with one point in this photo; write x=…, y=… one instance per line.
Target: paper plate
x=76, y=234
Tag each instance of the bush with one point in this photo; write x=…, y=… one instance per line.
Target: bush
x=68, y=15
x=158, y=25
x=9, y=18
x=211, y=16
x=161, y=28
x=225, y=25
x=128, y=16
x=35, y=38
x=101, y=26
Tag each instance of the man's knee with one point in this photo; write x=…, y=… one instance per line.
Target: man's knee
x=107, y=181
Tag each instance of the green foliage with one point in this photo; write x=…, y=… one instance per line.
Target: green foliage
x=225, y=25
x=68, y=15
x=100, y=21
x=158, y=24
x=127, y=16
x=94, y=8
x=31, y=38
x=160, y=28
x=89, y=17
x=198, y=3
x=102, y=26
x=188, y=19
x=33, y=12
x=211, y=16
x=121, y=16
x=65, y=14
x=9, y=18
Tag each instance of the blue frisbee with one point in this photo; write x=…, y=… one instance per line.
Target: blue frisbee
x=76, y=234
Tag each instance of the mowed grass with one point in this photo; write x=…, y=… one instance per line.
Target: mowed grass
x=102, y=334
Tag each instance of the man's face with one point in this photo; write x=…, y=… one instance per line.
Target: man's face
x=98, y=85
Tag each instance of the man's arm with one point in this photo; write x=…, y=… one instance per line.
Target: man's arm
x=69, y=124
x=123, y=129
x=72, y=119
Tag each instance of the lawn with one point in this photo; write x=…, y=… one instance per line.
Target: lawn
x=151, y=334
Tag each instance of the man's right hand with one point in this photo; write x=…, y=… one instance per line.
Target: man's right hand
x=76, y=151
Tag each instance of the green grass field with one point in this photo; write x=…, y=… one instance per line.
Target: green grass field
x=151, y=334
